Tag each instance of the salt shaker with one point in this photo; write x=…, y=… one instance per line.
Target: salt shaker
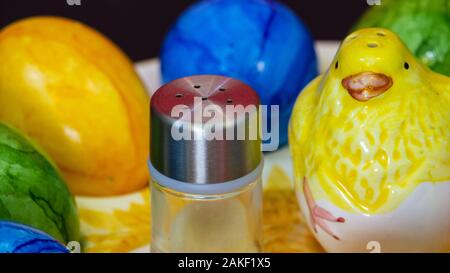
x=206, y=164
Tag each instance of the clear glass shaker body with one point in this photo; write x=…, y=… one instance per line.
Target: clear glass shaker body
x=230, y=222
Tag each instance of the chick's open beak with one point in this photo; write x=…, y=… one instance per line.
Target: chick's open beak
x=367, y=85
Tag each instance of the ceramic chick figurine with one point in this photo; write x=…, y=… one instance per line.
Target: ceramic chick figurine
x=370, y=145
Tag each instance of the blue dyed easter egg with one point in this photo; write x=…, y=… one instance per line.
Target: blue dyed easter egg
x=260, y=42
x=16, y=238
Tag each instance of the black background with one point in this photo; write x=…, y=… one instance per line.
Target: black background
x=281, y=262
x=139, y=26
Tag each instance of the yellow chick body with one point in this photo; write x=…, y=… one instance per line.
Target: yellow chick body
x=371, y=129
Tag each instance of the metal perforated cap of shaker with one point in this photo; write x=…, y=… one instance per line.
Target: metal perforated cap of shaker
x=194, y=135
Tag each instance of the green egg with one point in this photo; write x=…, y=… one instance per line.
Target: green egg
x=32, y=191
x=423, y=25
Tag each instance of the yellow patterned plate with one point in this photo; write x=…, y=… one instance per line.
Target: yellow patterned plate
x=122, y=223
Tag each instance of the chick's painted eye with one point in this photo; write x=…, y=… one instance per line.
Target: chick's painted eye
x=336, y=65
x=406, y=65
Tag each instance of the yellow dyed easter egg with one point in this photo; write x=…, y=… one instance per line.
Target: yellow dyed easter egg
x=371, y=151
x=75, y=93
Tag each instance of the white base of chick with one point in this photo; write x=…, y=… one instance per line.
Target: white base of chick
x=420, y=224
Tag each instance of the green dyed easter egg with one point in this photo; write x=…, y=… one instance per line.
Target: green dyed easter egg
x=32, y=191
x=423, y=25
